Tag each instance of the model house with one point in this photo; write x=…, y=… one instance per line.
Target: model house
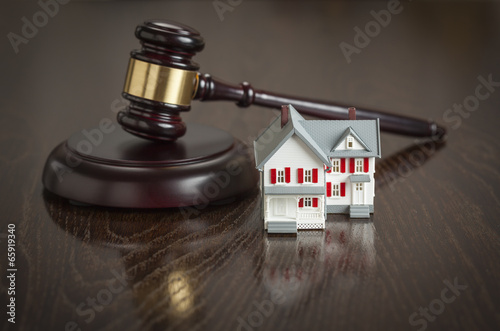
x=313, y=167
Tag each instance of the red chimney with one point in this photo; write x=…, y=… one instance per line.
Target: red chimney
x=352, y=113
x=284, y=115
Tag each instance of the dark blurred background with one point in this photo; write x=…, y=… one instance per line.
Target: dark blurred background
x=286, y=46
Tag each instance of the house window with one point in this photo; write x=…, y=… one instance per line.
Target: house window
x=359, y=165
x=308, y=176
x=280, y=176
x=335, y=190
x=349, y=143
x=359, y=186
x=307, y=202
x=335, y=165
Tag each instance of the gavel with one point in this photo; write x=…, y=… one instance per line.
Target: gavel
x=162, y=80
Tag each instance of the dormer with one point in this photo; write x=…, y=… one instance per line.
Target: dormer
x=350, y=141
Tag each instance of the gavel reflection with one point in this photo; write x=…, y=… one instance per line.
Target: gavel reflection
x=162, y=80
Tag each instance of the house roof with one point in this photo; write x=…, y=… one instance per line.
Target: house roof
x=349, y=132
x=360, y=178
x=322, y=136
x=330, y=133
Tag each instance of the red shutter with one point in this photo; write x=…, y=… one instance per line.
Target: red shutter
x=287, y=175
x=342, y=165
x=315, y=175
x=328, y=189
x=273, y=176
x=352, y=165
x=301, y=203
x=366, y=164
x=330, y=170
x=300, y=175
x=315, y=202
x=342, y=189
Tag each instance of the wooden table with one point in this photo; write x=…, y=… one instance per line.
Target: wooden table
x=427, y=259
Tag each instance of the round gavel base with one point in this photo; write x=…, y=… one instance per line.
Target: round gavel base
x=117, y=169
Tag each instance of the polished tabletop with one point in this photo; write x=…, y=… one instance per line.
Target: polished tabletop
x=428, y=258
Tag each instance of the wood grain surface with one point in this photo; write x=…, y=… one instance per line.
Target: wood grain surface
x=427, y=259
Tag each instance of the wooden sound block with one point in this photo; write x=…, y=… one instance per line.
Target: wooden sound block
x=117, y=169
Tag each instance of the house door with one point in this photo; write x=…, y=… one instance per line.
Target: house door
x=280, y=207
x=358, y=193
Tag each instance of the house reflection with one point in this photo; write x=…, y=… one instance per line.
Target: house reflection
x=294, y=264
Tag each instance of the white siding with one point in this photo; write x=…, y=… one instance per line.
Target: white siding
x=294, y=153
x=369, y=188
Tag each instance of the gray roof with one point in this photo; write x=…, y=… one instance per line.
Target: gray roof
x=347, y=132
x=274, y=137
x=322, y=136
x=329, y=133
x=360, y=178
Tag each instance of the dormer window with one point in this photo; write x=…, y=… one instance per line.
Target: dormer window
x=349, y=142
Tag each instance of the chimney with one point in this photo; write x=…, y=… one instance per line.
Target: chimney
x=352, y=113
x=284, y=115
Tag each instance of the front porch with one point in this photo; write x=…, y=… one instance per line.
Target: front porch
x=302, y=208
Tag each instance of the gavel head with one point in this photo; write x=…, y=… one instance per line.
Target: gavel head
x=161, y=80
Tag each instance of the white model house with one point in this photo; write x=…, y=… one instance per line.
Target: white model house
x=313, y=167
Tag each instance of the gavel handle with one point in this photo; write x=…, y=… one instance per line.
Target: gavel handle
x=210, y=88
